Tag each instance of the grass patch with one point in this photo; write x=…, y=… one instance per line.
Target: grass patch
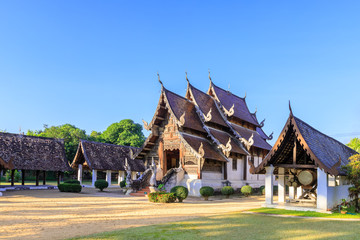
x=240, y=226
x=303, y=213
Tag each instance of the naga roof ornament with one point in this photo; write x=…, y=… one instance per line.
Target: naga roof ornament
x=262, y=123
x=227, y=148
x=201, y=150
x=208, y=116
x=229, y=112
x=146, y=125
x=181, y=121
x=248, y=143
x=271, y=136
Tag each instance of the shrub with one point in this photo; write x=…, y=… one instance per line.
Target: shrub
x=206, y=192
x=162, y=197
x=180, y=192
x=246, y=190
x=123, y=183
x=72, y=181
x=227, y=191
x=101, y=184
x=262, y=190
x=69, y=187
x=17, y=176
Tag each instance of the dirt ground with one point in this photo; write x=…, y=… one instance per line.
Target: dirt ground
x=50, y=214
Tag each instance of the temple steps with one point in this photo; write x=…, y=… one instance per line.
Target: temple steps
x=142, y=193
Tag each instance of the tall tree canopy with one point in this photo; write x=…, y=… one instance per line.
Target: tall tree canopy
x=68, y=132
x=125, y=132
x=354, y=144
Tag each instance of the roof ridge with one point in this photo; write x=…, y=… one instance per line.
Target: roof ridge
x=29, y=136
x=176, y=95
x=296, y=118
x=84, y=140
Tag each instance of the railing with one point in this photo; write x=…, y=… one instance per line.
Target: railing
x=143, y=181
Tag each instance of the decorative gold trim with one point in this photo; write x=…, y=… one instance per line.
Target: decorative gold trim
x=229, y=112
x=208, y=116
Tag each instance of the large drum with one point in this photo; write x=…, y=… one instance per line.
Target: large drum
x=307, y=177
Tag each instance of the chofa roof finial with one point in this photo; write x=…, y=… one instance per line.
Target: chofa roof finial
x=159, y=78
x=186, y=77
x=245, y=95
x=290, y=108
x=209, y=75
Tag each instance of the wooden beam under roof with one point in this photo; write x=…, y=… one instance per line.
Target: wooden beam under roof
x=294, y=166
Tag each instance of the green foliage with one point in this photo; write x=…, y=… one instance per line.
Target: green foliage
x=73, y=181
x=246, y=190
x=206, y=192
x=123, y=183
x=354, y=144
x=262, y=190
x=227, y=191
x=69, y=187
x=162, y=197
x=125, y=132
x=353, y=175
x=68, y=132
x=17, y=176
x=180, y=192
x=161, y=187
x=101, y=184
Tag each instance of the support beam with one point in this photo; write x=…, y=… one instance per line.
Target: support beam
x=108, y=176
x=281, y=185
x=37, y=177
x=322, y=190
x=295, y=166
x=12, y=177
x=294, y=151
x=269, y=184
x=44, y=177
x=58, y=177
x=23, y=177
x=94, y=177
x=80, y=172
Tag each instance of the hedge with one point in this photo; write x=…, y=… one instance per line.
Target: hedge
x=73, y=181
x=69, y=187
x=162, y=197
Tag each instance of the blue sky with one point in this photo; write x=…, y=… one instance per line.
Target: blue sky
x=92, y=63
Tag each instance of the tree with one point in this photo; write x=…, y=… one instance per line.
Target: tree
x=125, y=132
x=68, y=132
x=353, y=175
x=354, y=144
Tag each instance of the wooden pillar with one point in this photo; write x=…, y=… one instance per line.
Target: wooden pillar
x=58, y=177
x=12, y=177
x=37, y=177
x=44, y=177
x=22, y=177
x=225, y=170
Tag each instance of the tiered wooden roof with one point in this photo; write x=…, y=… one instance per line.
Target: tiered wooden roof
x=23, y=152
x=104, y=156
x=313, y=149
x=202, y=121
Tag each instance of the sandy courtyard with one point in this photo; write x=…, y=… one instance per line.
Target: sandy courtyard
x=49, y=214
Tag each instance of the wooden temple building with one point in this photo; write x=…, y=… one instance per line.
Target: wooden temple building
x=309, y=163
x=28, y=153
x=208, y=136
x=109, y=158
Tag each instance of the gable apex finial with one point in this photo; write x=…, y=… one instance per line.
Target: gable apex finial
x=186, y=77
x=291, y=113
x=209, y=75
x=159, y=79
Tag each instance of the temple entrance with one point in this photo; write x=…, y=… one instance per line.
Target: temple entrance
x=171, y=160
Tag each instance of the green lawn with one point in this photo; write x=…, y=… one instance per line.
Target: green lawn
x=240, y=226
x=303, y=213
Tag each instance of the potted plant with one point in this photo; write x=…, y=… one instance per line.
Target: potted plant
x=344, y=206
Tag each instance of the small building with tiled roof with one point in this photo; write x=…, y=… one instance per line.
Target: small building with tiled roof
x=196, y=133
x=307, y=161
x=110, y=158
x=29, y=153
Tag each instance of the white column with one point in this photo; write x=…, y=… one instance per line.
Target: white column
x=281, y=185
x=299, y=192
x=269, y=184
x=120, y=176
x=108, y=176
x=291, y=192
x=80, y=171
x=322, y=187
x=94, y=177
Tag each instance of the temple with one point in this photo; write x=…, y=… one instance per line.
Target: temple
x=204, y=139
x=309, y=163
